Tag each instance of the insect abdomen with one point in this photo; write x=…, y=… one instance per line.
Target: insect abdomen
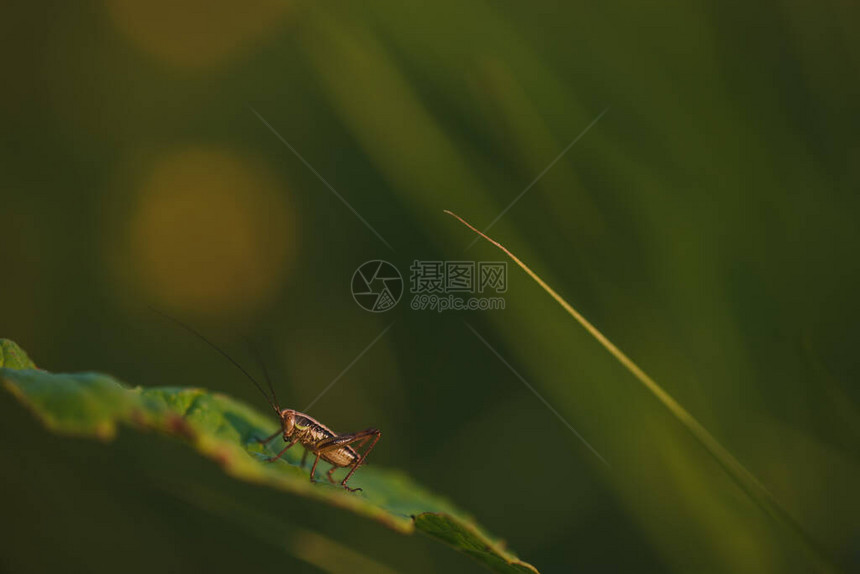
x=311, y=433
x=343, y=456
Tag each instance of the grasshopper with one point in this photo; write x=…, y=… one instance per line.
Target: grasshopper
x=339, y=450
x=324, y=443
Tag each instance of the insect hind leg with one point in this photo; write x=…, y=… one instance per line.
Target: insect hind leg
x=360, y=439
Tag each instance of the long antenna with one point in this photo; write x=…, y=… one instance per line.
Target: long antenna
x=262, y=364
x=225, y=355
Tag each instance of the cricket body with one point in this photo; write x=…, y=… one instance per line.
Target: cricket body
x=339, y=450
x=323, y=443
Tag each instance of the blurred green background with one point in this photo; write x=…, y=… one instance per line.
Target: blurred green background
x=707, y=224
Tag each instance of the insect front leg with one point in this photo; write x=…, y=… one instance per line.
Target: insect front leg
x=314, y=469
x=280, y=454
x=328, y=474
x=268, y=439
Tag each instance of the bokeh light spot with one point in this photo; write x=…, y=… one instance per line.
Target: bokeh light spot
x=196, y=33
x=211, y=233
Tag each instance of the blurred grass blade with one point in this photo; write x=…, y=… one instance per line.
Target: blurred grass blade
x=306, y=545
x=760, y=495
x=329, y=556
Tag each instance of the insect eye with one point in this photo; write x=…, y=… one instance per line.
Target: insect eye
x=289, y=420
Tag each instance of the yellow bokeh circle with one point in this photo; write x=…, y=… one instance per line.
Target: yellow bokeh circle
x=210, y=233
x=196, y=33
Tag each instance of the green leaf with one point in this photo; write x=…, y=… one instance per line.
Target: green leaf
x=223, y=429
x=13, y=357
